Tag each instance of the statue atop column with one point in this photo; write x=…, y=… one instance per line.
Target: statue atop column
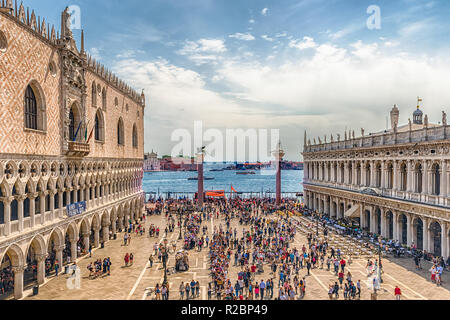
x=444, y=118
x=362, y=132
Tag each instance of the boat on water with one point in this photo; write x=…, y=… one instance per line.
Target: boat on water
x=245, y=172
x=196, y=178
x=216, y=170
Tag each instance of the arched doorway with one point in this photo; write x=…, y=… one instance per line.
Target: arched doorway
x=367, y=218
x=390, y=224
x=378, y=220
x=403, y=232
x=435, y=235
x=12, y=280
x=56, y=252
x=418, y=233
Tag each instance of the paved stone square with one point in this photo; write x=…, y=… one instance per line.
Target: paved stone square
x=137, y=281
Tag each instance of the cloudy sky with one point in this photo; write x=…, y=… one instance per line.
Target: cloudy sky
x=292, y=65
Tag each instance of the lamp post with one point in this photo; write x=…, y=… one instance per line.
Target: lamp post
x=165, y=256
x=379, y=259
x=179, y=221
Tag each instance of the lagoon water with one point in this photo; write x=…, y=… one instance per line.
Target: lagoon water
x=262, y=181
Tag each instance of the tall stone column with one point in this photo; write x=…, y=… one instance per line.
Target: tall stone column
x=384, y=175
x=372, y=174
x=73, y=250
x=425, y=177
x=52, y=204
x=362, y=216
x=18, y=281
x=444, y=239
x=59, y=254
x=96, y=238
x=279, y=154
x=32, y=210
x=395, y=225
x=425, y=234
x=42, y=204
x=86, y=241
x=20, y=200
x=408, y=230
x=60, y=204
x=200, y=191
x=383, y=222
x=41, y=268
x=443, y=191
x=105, y=234
x=395, y=176
x=410, y=177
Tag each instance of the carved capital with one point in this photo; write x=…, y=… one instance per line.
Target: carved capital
x=18, y=269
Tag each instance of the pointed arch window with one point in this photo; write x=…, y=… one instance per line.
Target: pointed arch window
x=94, y=94
x=99, y=126
x=120, y=133
x=135, y=137
x=31, y=111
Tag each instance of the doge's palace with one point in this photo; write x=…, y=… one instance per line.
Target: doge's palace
x=71, y=148
x=393, y=183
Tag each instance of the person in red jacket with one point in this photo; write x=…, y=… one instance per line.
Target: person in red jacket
x=398, y=293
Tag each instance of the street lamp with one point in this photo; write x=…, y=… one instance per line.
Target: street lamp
x=379, y=259
x=165, y=258
x=179, y=221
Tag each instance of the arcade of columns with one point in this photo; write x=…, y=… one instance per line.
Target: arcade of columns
x=36, y=224
x=401, y=199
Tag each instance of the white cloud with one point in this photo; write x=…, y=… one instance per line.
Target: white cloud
x=251, y=21
x=204, y=50
x=338, y=87
x=267, y=38
x=306, y=43
x=95, y=53
x=265, y=11
x=281, y=35
x=243, y=36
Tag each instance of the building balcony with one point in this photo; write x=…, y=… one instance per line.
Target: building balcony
x=78, y=149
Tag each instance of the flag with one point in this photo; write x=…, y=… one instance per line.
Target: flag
x=86, y=131
x=232, y=189
x=76, y=134
x=90, y=135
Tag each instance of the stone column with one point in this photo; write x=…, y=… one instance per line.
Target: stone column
x=425, y=234
x=75, y=195
x=113, y=227
x=86, y=240
x=73, y=250
x=372, y=173
x=408, y=230
x=383, y=222
x=41, y=268
x=32, y=210
x=346, y=172
x=52, y=204
x=425, y=178
x=96, y=238
x=18, y=281
x=81, y=194
x=410, y=177
x=105, y=235
x=443, y=191
x=20, y=200
x=68, y=196
x=396, y=178
x=395, y=225
x=384, y=175
x=59, y=254
x=60, y=204
x=444, y=236
x=362, y=216
x=42, y=204
x=354, y=174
